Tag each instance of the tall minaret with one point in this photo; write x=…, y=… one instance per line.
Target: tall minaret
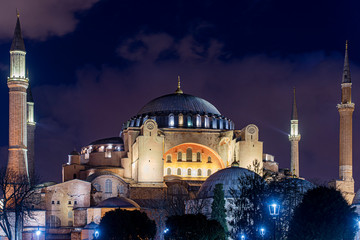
x=294, y=138
x=18, y=84
x=346, y=108
x=31, y=125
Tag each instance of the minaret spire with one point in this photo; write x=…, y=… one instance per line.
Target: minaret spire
x=18, y=41
x=346, y=108
x=346, y=78
x=178, y=90
x=294, y=114
x=294, y=138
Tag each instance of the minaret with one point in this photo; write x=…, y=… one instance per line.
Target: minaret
x=346, y=108
x=18, y=84
x=294, y=138
x=31, y=125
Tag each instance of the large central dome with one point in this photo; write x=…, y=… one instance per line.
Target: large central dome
x=179, y=110
x=179, y=103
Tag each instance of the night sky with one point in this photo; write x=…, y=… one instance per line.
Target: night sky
x=94, y=63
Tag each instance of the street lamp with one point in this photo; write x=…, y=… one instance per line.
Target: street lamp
x=96, y=234
x=274, y=212
x=262, y=232
x=242, y=237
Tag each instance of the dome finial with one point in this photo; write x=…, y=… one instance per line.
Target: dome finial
x=178, y=90
x=17, y=13
x=235, y=164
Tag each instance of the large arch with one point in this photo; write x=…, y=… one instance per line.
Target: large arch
x=195, y=165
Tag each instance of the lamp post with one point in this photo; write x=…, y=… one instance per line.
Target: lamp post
x=242, y=237
x=274, y=212
x=96, y=234
x=262, y=233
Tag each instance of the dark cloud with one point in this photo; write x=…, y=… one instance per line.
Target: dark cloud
x=255, y=89
x=41, y=18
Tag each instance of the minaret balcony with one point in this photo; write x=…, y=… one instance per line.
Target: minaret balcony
x=346, y=105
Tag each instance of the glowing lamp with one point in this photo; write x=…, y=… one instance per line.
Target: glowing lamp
x=38, y=232
x=262, y=232
x=274, y=209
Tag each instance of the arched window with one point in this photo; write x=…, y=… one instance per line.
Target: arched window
x=206, y=121
x=171, y=120
x=178, y=171
x=180, y=156
x=209, y=159
x=132, y=122
x=221, y=123
x=226, y=124
x=153, y=118
x=54, y=221
x=181, y=119
x=108, y=186
x=168, y=171
x=214, y=123
x=168, y=158
x=198, y=157
x=121, y=189
x=138, y=121
x=189, y=121
x=189, y=155
x=198, y=120
x=199, y=172
x=209, y=172
x=97, y=187
x=189, y=172
x=145, y=118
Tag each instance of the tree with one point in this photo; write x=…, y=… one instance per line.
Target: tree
x=126, y=225
x=323, y=214
x=218, y=211
x=248, y=206
x=19, y=198
x=191, y=226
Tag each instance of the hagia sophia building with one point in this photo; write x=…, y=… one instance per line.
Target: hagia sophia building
x=174, y=140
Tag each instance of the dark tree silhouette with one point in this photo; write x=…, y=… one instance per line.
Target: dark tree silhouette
x=19, y=197
x=248, y=206
x=218, y=211
x=323, y=214
x=126, y=225
x=191, y=226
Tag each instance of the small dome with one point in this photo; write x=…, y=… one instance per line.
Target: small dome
x=118, y=202
x=74, y=153
x=185, y=103
x=229, y=177
x=302, y=184
x=91, y=225
x=112, y=140
x=356, y=200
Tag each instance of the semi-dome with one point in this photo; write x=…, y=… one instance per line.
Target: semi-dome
x=111, y=140
x=228, y=177
x=180, y=110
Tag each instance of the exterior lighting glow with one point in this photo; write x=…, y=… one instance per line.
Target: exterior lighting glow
x=96, y=233
x=242, y=237
x=38, y=232
x=274, y=209
x=166, y=230
x=262, y=232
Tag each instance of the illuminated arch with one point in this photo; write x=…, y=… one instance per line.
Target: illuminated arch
x=202, y=167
